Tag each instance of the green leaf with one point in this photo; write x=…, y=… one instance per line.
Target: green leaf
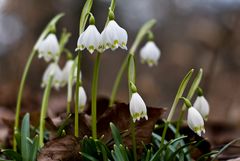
x=195, y=84
x=116, y=134
x=203, y=157
x=12, y=154
x=179, y=150
x=225, y=147
x=34, y=148
x=25, y=134
x=18, y=139
x=103, y=149
x=89, y=147
x=51, y=26
x=148, y=155
x=167, y=145
x=1, y=159
x=89, y=157
x=142, y=32
x=179, y=94
x=118, y=153
x=84, y=15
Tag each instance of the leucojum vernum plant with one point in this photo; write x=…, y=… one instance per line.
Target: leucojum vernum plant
x=96, y=41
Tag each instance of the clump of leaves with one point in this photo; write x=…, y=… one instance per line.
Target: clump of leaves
x=27, y=149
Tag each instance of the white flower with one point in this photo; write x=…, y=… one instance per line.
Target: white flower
x=48, y=48
x=52, y=70
x=195, y=121
x=113, y=36
x=201, y=104
x=89, y=39
x=138, y=108
x=66, y=71
x=82, y=99
x=150, y=53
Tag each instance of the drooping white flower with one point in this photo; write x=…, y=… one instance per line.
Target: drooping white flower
x=195, y=121
x=150, y=53
x=82, y=99
x=138, y=108
x=48, y=48
x=67, y=71
x=89, y=39
x=201, y=104
x=114, y=36
x=52, y=70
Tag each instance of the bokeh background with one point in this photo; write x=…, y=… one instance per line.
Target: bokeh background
x=191, y=34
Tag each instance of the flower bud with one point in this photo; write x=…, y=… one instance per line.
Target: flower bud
x=150, y=53
x=195, y=121
x=201, y=104
x=82, y=99
x=138, y=108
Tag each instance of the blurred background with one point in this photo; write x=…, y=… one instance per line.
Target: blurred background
x=191, y=34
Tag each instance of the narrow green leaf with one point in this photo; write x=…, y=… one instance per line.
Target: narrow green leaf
x=84, y=15
x=104, y=149
x=89, y=157
x=34, y=148
x=179, y=94
x=156, y=155
x=51, y=26
x=142, y=32
x=148, y=155
x=1, y=159
x=225, y=147
x=202, y=157
x=116, y=134
x=12, y=154
x=180, y=149
x=25, y=134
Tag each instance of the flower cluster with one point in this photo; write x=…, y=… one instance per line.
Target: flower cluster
x=197, y=114
x=113, y=36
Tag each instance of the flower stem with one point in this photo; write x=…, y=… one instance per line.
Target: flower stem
x=141, y=34
x=179, y=94
x=76, y=126
x=49, y=27
x=44, y=106
x=70, y=85
x=191, y=92
x=132, y=79
x=94, y=96
x=20, y=92
x=118, y=80
x=133, y=132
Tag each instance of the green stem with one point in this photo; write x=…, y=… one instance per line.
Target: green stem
x=49, y=27
x=179, y=94
x=20, y=92
x=70, y=85
x=68, y=107
x=132, y=79
x=141, y=34
x=76, y=126
x=118, y=80
x=133, y=132
x=94, y=96
x=191, y=92
x=44, y=106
